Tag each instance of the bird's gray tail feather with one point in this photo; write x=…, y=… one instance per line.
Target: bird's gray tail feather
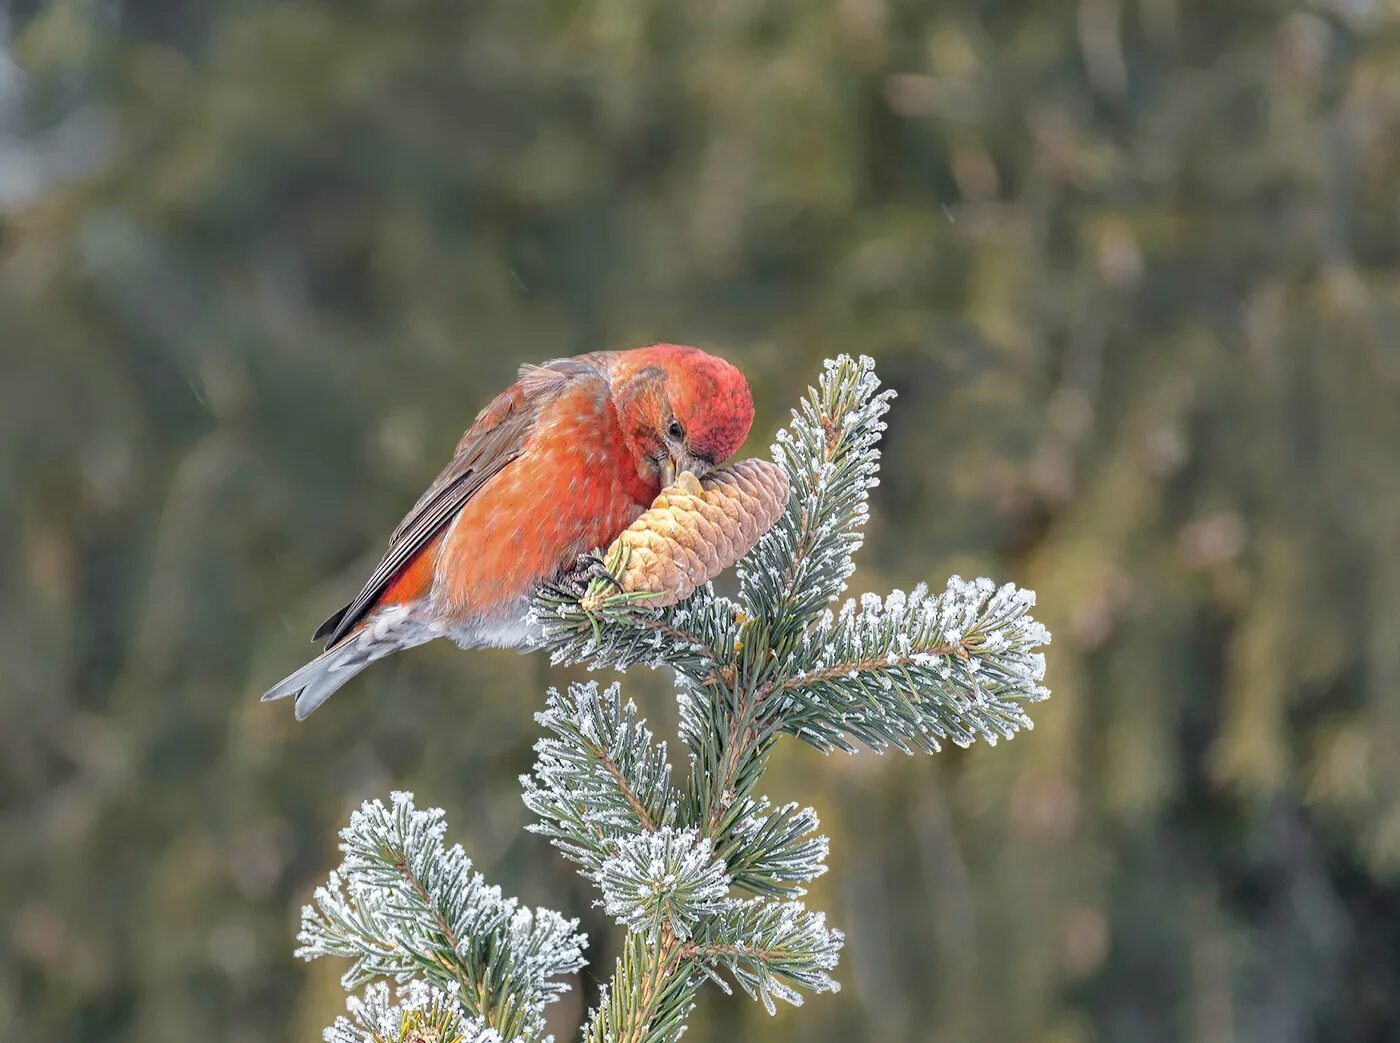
x=319, y=679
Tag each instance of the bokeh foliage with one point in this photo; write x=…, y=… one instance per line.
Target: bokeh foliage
x=1133, y=265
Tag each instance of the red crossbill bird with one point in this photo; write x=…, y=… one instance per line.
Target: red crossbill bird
x=558, y=464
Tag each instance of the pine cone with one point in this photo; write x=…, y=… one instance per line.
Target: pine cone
x=697, y=529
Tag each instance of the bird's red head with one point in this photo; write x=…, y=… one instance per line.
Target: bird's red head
x=681, y=408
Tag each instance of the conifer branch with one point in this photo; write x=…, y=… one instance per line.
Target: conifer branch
x=909, y=671
x=404, y=907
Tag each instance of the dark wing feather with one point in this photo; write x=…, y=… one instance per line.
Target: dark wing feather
x=496, y=438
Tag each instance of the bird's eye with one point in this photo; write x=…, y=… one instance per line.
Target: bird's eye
x=676, y=431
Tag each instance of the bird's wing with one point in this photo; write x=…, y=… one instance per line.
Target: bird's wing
x=496, y=438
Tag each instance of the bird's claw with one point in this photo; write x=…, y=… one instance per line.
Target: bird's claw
x=589, y=571
x=598, y=569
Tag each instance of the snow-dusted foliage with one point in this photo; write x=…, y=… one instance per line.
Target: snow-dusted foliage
x=666, y=881
x=418, y=1013
x=600, y=779
x=773, y=850
x=703, y=872
x=773, y=949
x=832, y=457
x=912, y=670
x=403, y=906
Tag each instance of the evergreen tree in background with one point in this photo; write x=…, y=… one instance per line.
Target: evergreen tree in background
x=1131, y=265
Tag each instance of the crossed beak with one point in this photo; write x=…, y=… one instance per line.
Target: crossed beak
x=678, y=462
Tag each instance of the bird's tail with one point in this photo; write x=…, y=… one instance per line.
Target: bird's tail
x=321, y=678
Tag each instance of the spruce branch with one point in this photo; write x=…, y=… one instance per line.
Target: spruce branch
x=663, y=881
x=831, y=456
x=772, y=949
x=691, y=638
x=704, y=874
x=913, y=670
x=601, y=779
x=773, y=851
x=404, y=907
x=417, y=1013
x=651, y=993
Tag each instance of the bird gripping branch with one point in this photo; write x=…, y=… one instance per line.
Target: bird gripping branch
x=558, y=464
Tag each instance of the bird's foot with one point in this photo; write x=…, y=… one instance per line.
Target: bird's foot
x=605, y=572
x=590, y=573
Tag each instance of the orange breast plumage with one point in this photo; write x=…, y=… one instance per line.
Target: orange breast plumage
x=574, y=488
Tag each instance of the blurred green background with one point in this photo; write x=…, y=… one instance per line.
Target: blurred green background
x=1133, y=266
